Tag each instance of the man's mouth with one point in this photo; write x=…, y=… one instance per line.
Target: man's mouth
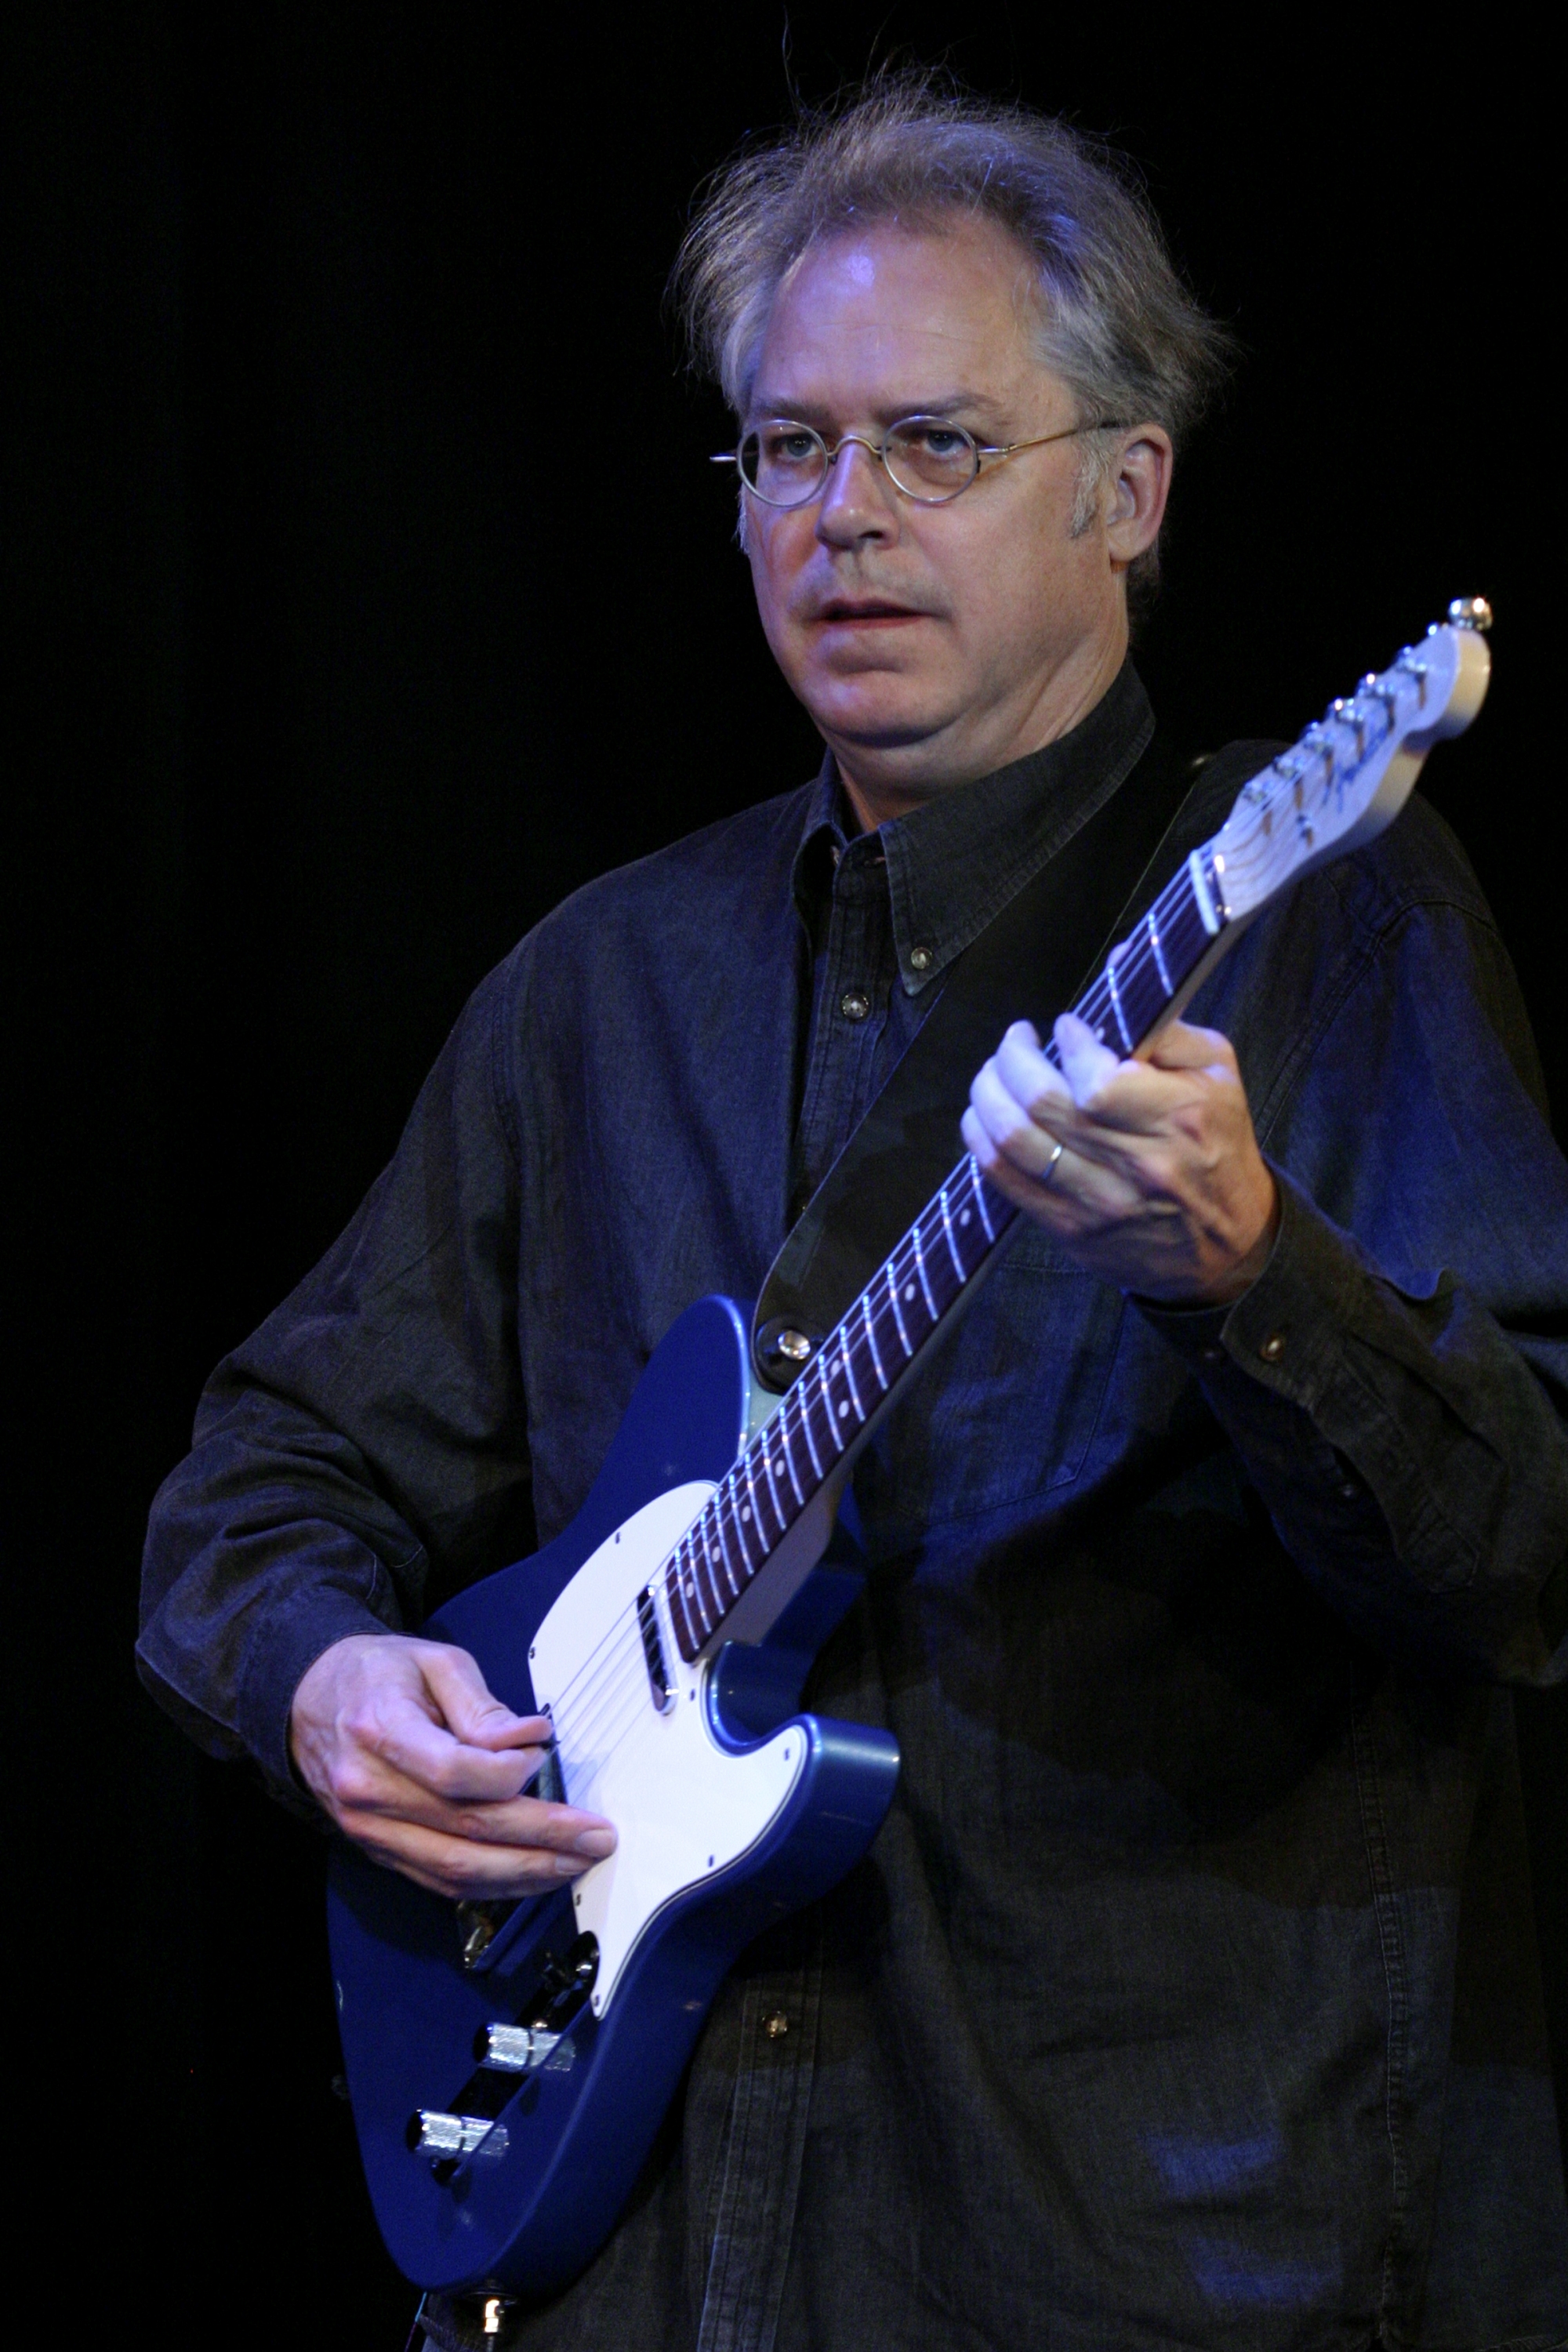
x=862, y=611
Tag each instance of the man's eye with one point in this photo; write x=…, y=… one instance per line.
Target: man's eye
x=929, y=444
x=789, y=447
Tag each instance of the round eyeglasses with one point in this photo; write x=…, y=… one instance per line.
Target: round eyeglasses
x=929, y=459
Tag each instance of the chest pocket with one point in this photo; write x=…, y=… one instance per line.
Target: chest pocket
x=1008, y=1406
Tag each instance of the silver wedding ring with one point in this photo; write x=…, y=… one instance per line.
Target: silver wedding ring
x=1050, y=1167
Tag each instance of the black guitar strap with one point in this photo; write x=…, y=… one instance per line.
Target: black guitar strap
x=1033, y=962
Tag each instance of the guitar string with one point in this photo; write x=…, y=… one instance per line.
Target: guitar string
x=1134, y=961
x=856, y=1338
x=1131, y=961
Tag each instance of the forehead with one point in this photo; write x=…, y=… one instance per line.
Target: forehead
x=893, y=318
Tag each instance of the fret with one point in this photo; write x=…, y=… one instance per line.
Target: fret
x=952, y=1239
x=909, y=1291
x=1115, y=994
x=921, y=1269
x=674, y=1602
x=805, y=1426
x=1153, y=930
x=745, y=1516
x=871, y=1338
x=1207, y=907
x=732, y=1534
x=825, y=1373
x=849, y=1379
x=716, y=1550
x=768, y=1474
x=713, y=1560
x=891, y=1282
x=981, y=1188
x=1142, y=996
x=787, y=1452
x=693, y=1584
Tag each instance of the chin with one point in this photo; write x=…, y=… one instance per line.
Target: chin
x=876, y=719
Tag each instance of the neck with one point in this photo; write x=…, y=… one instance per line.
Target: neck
x=883, y=782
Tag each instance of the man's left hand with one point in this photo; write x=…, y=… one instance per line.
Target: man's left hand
x=1158, y=1185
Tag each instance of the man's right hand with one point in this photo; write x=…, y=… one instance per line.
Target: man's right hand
x=412, y=1757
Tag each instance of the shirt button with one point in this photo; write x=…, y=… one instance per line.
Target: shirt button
x=920, y=959
x=776, y=2026
x=854, y=1005
x=1213, y=1354
x=1273, y=1348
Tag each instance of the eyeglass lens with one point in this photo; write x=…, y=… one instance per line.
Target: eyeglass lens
x=928, y=459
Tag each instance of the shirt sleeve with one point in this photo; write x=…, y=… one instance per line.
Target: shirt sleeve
x=1396, y=1379
x=365, y=1449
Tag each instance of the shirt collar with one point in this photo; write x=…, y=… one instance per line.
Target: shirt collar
x=955, y=862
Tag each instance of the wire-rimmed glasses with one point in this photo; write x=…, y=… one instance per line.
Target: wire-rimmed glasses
x=929, y=459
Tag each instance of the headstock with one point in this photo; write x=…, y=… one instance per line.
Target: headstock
x=1350, y=775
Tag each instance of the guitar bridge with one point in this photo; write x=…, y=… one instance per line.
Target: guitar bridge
x=663, y=1689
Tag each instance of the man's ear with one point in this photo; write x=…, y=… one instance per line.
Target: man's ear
x=1136, y=494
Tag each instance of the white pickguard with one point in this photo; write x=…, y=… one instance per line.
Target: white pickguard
x=685, y=1809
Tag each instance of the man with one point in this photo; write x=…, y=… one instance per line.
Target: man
x=1188, y=1996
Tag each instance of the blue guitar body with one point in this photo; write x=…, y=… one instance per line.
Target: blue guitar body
x=511, y=2176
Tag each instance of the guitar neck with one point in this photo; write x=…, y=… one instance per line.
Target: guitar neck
x=831, y=1405
x=1343, y=781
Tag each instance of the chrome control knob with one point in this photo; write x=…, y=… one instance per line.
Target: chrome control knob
x=1470, y=612
x=430, y=2133
x=513, y=2049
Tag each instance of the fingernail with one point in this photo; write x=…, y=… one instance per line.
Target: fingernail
x=598, y=1843
x=568, y=1866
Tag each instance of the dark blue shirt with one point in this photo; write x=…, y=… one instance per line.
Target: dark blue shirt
x=1188, y=1998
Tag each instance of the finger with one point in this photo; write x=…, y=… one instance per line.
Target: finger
x=1008, y=1128
x=1087, y=1064
x=525, y=1821
x=1181, y=1046
x=1072, y=1196
x=392, y=1732
x=366, y=1783
x=1032, y=1081
x=470, y=1707
x=460, y=1871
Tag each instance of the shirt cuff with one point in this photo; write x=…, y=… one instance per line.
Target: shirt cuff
x=1285, y=1332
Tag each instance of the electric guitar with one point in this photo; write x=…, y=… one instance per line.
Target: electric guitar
x=510, y=2067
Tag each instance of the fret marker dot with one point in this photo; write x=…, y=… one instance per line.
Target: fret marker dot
x=745, y=1510
x=963, y=1217
x=909, y=1291
x=842, y=1410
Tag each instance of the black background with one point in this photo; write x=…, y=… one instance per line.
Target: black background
x=351, y=632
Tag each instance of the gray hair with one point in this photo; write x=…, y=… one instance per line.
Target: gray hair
x=1114, y=322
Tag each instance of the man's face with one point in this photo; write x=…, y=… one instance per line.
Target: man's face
x=932, y=644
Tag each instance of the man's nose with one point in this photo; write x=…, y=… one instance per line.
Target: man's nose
x=857, y=500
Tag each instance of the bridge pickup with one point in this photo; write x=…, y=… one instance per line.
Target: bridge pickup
x=446, y=2137
x=513, y=2049
x=663, y=1689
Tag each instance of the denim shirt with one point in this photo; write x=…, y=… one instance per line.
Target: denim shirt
x=1188, y=1996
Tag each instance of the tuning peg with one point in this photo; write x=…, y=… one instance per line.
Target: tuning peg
x=1470, y=612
